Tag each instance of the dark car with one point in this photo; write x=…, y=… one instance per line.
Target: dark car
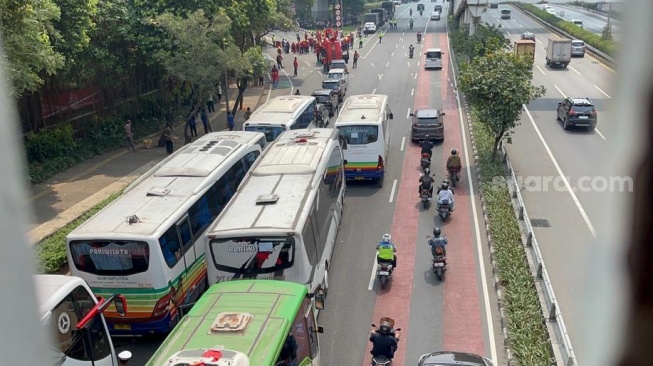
x=577, y=112
x=427, y=122
x=438, y=8
x=335, y=85
x=453, y=359
x=494, y=6
x=420, y=7
x=329, y=98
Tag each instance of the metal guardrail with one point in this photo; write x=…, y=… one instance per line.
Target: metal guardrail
x=560, y=341
x=600, y=56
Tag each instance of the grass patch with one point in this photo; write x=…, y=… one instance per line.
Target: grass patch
x=528, y=336
x=51, y=251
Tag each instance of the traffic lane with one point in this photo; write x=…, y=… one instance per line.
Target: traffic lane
x=592, y=22
x=565, y=244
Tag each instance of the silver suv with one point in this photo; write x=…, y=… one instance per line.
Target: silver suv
x=577, y=48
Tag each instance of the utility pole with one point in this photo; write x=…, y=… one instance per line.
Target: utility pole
x=226, y=94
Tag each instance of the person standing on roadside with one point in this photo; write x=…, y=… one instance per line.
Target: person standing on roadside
x=205, y=121
x=192, y=124
x=356, y=56
x=275, y=76
x=295, y=65
x=167, y=135
x=129, y=136
x=219, y=93
x=209, y=103
x=248, y=113
x=230, y=121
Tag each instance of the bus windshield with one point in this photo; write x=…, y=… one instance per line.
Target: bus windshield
x=251, y=256
x=110, y=257
x=359, y=135
x=271, y=132
x=505, y=11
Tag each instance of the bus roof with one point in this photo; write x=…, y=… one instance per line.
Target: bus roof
x=362, y=108
x=273, y=306
x=158, y=194
x=51, y=289
x=287, y=169
x=280, y=110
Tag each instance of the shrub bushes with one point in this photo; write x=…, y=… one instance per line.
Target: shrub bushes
x=594, y=40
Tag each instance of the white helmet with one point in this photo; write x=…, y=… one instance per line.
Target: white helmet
x=387, y=238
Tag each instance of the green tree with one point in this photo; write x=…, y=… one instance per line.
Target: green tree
x=72, y=30
x=27, y=26
x=486, y=39
x=198, y=52
x=498, y=86
x=255, y=66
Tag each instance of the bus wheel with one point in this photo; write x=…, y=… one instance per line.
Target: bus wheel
x=379, y=182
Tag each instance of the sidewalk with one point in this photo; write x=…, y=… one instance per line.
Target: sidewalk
x=69, y=194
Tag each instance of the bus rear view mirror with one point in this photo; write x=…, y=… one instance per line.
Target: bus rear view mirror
x=121, y=305
x=319, y=299
x=320, y=329
x=391, y=116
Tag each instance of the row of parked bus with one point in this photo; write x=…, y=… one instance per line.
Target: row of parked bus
x=261, y=204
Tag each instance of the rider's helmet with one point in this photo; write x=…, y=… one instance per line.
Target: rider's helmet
x=385, y=328
x=387, y=238
x=427, y=171
x=437, y=231
x=454, y=152
x=445, y=185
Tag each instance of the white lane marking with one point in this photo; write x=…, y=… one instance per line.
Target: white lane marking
x=387, y=63
x=371, y=48
x=560, y=91
x=577, y=72
x=418, y=64
x=392, y=193
x=373, y=275
x=539, y=68
x=307, y=63
x=538, y=41
x=374, y=91
x=269, y=92
x=412, y=92
x=600, y=134
x=403, y=143
x=408, y=113
x=408, y=62
x=508, y=33
x=392, y=54
x=477, y=230
x=602, y=92
x=292, y=87
x=372, y=65
x=397, y=45
x=380, y=76
x=561, y=174
x=415, y=76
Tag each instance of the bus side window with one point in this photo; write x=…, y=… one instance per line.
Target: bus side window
x=310, y=239
x=170, y=248
x=250, y=158
x=200, y=214
x=185, y=234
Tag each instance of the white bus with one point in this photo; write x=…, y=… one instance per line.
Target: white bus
x=73, y=317
x=282, y=223
x=147, y=243
x=364, y=124
x=289, y=112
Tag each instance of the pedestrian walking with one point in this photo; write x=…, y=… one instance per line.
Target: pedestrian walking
x=356, y=56
x=275, y=77
x=209, y=103
x=295, y=65
x=360, y=42
x=248, y=113
x=192, y=124
x=219, y=94
x=279, y=59
x=230, y=121
x=129, y=136
x=205, y=121
x=380, y=37
x=167, y=135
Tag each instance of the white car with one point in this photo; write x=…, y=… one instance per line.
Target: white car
x=397, y=2
x=551, y=11
x=369, y=27
x=435, y=15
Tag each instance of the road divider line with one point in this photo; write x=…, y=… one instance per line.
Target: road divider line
x=560, y=91
x=539, y=68
x=408, y=113
x=392, y=193
x=412, y=92
x=374, y=91
x=561, y=174
x=372, y=65
x=380, y=76
x=387, y=63
x=408, y=62
x=602, y=92
x=538, y=41
x=370, y=50
x=576, y=71
x=600, y=134
x=415, y=76
x=477, y=231
x=373, y=275
x=418, y=64
x=403, y=143
x=397, y=45
x=392, y=54
x=508, y=33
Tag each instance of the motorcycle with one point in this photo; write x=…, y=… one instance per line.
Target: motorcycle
x=444, y=210
x=426, y=197
x=454, y=177
x=384, y=273
x=419, y=38
x=411, y=25
x=425, y=161
x=421, y=12
x=382, y=360
x=438, y=262
x=410, y=53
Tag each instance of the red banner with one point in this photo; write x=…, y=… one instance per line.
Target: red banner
x=69, y=101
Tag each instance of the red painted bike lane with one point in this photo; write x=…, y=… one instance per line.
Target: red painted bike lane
x=462, y=322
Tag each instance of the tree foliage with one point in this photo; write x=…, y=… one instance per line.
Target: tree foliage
x=27, y=26
x=73, y=29
x=486, y=39
x=499, y=85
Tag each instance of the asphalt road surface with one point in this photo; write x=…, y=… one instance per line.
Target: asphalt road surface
x=542, y=153
x=457, y=314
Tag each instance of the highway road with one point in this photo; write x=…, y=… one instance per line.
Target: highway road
x=457, y=314
x=542, y=152
x=592, y=22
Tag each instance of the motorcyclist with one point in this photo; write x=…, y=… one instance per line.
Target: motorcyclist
x=411, y=49
x=384, y=342
x=445, y=194
x=411, y=23
x=438, y=241
x=411, y=11
x=426, y=182
x=427, y=147
x=419, y=36
x=453, y=162
x=386, y=251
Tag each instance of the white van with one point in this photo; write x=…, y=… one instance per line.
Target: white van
x=433, y=58
x=577, y=22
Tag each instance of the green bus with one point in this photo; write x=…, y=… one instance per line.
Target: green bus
x=246, y=323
